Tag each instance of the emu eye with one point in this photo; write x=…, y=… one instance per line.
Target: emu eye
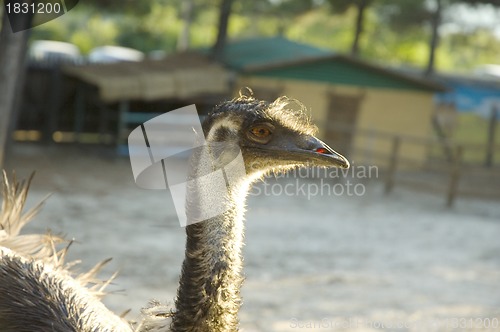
x=261, y=133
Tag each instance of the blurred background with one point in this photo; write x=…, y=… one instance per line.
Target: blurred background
x=410, y=88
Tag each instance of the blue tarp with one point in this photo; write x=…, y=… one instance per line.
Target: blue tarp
x=471, y=96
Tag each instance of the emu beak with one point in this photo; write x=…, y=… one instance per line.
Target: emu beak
x=298, y=150
x=323, y=155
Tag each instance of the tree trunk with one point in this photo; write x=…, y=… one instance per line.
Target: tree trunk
x=12, y=69
x=435, y=23
x=359, y=27
x=225, y=12
x=187, y=17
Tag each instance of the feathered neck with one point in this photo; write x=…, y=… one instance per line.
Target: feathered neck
x=208, y=298
x=209, y=292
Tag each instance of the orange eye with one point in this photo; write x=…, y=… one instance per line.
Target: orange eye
x=261, y=131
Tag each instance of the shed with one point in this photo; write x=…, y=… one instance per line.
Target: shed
x=357, y=105
x=126, y=88
x=179, y=76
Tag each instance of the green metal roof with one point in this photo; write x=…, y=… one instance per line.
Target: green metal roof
x=279, y=57
x=346, y=71
x=253, y=52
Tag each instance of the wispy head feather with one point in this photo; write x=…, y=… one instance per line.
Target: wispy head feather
x=288, y=112
x=293, y=114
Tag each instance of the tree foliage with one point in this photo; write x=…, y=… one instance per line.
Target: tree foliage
x=397, y=32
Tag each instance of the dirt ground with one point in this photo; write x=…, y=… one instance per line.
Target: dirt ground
x=371, y=262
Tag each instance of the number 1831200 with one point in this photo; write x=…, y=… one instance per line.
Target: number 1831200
x=33, y=8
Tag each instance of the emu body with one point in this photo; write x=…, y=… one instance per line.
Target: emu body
x=36, y=296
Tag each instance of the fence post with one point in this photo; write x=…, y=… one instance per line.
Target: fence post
x=454, y=177
x=393, y=164
x=490, y=144
x=123, y=110
x=52, y=112
x=80, y=108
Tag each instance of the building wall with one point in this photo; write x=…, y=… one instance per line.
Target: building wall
x=383, y=113
x=404, y=113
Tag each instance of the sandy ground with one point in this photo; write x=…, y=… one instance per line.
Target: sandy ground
x=329, y=263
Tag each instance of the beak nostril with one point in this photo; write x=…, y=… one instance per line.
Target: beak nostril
x=322, y=151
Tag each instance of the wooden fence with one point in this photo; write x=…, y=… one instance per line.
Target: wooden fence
x=443, y=169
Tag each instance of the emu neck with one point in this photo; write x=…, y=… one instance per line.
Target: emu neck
x=209, y=292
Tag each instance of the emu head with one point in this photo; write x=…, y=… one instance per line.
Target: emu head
x=272, y=137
